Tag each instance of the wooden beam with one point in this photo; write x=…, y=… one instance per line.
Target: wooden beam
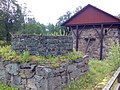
x=119, y=35
x=101, y=42
x=87, y=45
x=77, y=38
x=96, y=30
x=73, y=31
x=81, y=30
x=110, y=27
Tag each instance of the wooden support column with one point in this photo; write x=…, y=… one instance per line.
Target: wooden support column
x=119, y=35
x=77, y=38
x=119, y=78
x=101, y=43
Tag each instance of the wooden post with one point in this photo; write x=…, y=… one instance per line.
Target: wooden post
x=119, y=78
x=119, y=35
x=101, y=43
x=77, y=38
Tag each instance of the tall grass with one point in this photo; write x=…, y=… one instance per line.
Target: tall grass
x=99, y=72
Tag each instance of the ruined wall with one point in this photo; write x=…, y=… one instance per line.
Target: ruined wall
x=42, y=45
x=31, y=76
x=93, y=49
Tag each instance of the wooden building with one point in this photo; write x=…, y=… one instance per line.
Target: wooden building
x=93, y=30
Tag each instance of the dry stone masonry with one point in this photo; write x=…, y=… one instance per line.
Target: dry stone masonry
x=32, y=76
x=42, y=45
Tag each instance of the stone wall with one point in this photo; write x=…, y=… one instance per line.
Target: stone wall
x=31, y=76
x=42, y=45
x=93, y=48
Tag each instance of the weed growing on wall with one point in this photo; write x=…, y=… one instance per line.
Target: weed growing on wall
x=6, y=53
x=25, y=57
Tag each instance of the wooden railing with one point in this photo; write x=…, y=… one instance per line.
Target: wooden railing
x=110, y=83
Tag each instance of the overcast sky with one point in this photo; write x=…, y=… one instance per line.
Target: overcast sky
x=48, y=11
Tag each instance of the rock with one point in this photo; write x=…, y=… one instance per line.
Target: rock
x=41, y=83
x=31, y=84
x=2, y=65
x=54, y=83
x=2, y=75
x=42, y=71
x=16, y=81
x=26, y=73
x=12, y=68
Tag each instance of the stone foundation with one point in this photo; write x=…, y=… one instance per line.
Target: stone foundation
x=31, y=76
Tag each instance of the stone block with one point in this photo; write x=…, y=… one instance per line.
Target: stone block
x=54, y=83
x=71, y=68
x=15, y=81
x=42, y=71
x=31, y=84
x=2, y=75
x=2, y=65
x=41, y=83
x=12, y=68
x=80, y=65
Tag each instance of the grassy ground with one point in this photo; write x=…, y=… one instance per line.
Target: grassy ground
x=99, y=72
x=98, y=75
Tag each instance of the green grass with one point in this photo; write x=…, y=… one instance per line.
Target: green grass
x=99, y=72
x=5, y=87
x=96, y=78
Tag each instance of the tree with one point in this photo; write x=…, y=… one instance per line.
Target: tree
x=33, y=27
x=118, y=16
x=77, y=9
x=68, y=15
x=65, y=17
x=11, y=17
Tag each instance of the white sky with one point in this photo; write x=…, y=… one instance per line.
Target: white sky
x=48, y=11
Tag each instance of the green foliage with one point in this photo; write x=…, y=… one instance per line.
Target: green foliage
x=2, y=43
x=114, y=56
x=11, y=17
x=33, y=27
x=6, y=53
x=25, y=57
x=55, y=30
x=5, y=87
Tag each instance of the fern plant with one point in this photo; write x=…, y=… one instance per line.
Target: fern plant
x=25, y=57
